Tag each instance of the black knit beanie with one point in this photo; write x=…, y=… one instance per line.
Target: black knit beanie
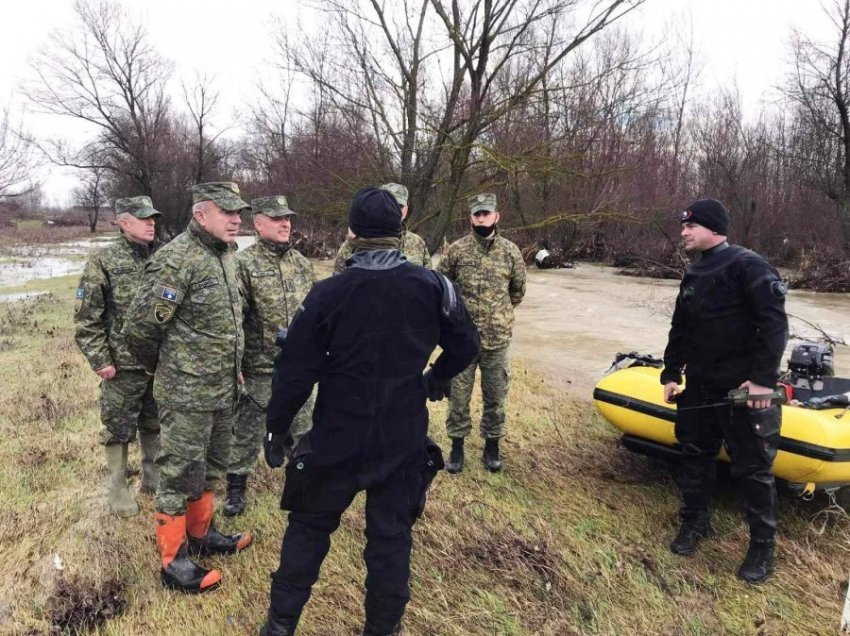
x=374, y=213
x=710, y=213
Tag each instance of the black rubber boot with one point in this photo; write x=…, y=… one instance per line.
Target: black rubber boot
x=492, y=460
x=758, y=564
x=690, y=534
x=455, y=463
x=216, y=543
x=277, y=627
x=234, y=504
x=369, y=631
x=185, y=575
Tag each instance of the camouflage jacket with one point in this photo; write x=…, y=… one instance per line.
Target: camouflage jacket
x=491, y=276
x=273, y=281
x=109, y=282
x=185, y=323
x=412, y=246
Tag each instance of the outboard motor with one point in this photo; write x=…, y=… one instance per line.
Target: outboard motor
x=809, y=364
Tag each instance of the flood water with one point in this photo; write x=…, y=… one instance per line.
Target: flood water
x=23, y=263
x=574, y=321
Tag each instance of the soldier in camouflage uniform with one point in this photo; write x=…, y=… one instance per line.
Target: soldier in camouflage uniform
x=108, y=284
x=273, y=278
x=490, y=273
x=185, y=327
x=412, y=245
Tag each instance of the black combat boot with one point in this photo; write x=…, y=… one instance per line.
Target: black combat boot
x=758, y=564
x=455, y=463
x=234, y=504
x=690, y=534
x=214, y=542
x=491, y=459
x=278, y=627
x=371, y=631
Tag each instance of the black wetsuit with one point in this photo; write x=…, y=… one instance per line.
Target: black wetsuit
x=729, y=326
x=365, y=335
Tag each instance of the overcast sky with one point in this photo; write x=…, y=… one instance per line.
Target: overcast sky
x=737, y=40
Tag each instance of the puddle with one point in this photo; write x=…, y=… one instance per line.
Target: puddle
x=23, y=263
x=573, y=321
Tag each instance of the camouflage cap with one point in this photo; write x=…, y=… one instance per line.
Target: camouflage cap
x=272, y=206
x=225, y=194
x=139, y=207
x=485, y=201
x=398, y=191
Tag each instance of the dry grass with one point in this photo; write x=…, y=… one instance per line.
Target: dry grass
x=570, y=539
x=32, y=232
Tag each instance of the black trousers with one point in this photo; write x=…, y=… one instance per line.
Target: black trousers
x=751, y=439
x=391, y=510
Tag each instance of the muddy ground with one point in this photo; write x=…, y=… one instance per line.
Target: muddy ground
x=573, y=321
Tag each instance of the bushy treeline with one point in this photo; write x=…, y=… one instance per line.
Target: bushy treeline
x=591, y=138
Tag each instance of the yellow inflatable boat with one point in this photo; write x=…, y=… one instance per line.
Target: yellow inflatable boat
x=814, y=450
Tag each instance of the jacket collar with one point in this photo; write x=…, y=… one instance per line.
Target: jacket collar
x=141, y=250
x=376, y=259
x=206, y=239
x=273, y=247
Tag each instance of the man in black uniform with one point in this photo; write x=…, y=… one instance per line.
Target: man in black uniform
x=729, y=331
x=364, y=335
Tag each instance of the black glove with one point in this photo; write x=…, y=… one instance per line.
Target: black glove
x=274, y=449
x=436, y=388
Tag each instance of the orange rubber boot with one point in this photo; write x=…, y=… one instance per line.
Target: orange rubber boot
x=204, y=538
x=178, y=571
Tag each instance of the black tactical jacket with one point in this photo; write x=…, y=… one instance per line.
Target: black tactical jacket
x=729, y=324
x=366, y=335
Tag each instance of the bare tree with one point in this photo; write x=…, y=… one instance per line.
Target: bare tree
x=18, y=164
x=201, y=100
x=105, y=72
x=91, y=195
x=820, y=87
x=424, y=74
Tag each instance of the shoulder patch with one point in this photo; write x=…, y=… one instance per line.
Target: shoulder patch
x=168, y=293
x=81, y=292
x=162, y=312
x=779, y=288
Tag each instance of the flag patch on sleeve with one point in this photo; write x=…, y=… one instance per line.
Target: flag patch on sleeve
x=169, y=294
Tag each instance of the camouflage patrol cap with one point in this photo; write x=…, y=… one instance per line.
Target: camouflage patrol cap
x=272, y=206
x=225, y=194
x=398, y=191
x=485, y=201
x=139, y=207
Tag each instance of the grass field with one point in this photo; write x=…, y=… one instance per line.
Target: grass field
x=570, y=539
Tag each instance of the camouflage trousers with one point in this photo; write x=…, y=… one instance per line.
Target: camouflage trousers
x=195, y=446
x=127, y=405
x=495, y=380
x=249, y=425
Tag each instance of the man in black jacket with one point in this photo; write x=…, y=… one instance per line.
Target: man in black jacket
x=729, y=331
x=364, y=335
